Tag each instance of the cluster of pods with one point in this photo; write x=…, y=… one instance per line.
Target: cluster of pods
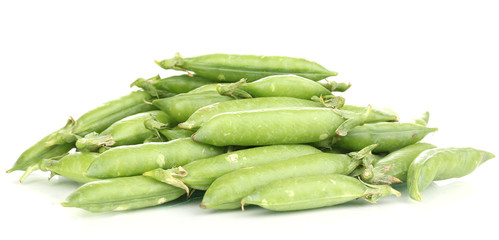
x=242, y=130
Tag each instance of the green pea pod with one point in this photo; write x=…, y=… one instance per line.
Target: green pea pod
x=397, y=163
x=276, y=86
x=376, y=114
x=137, y=159
x=300, y=193
x=208, y=88
x=199, y=117
x=389, y=136
x=201, y=173
x=72, y=166
x=176, y=133
x=275, y=126
x=127, y=131
x=227, y=191
x=232, y=67
x=180, y=107
x=166, y=87
x=119, y=194
x=440, y=164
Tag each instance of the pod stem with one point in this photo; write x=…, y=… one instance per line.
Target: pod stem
x=172, y=63
x=352, y=120
x=148, y=86
x=92, y=142
x=63, y=135
x=234, y=89
x=375, y=192
x=367, y=172
x=330, y=101
x=171, y=176
x=154, y=125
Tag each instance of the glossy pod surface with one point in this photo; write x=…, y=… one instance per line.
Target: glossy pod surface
x=137, y=159
x=180, y=107
x=440, y=164
x=232, y=67
x=299, y=193
x=389, y=136
x=269, y=127
x=227, y=191
x=120, y=194
x=201, y=173
x=71, y=166
x=199, y=117
x=401, y=159
x=163, y=87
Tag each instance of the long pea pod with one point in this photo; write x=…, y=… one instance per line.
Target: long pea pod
x=180, y=107
x=119, y=194
x=276, y=86
x=232, y=67
x=72, y=166
x=201, y=173
x=227, y=191
x=166, y=87
x=137, y=159
x=127, y=131
x=202, y=115
x=276, y=126
x=440, y=164
x=300, y=193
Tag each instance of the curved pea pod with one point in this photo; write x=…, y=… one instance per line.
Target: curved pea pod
x=440, y=164
x=180, y=107
x=397, y=163
x=276, y=86
x=301, y=193
x=376, y=114
x=119, y=194
x=176, y=133
x=199, y=117
x=71, y=166
x=201, y=173
x=274, y=126
x=232, y=67
x=137, y=159
x=127, y=131
x=166, y=87
x=227, y=191
x=389, y=136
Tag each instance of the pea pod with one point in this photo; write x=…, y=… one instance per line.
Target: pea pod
x=137, y=159
x=227, y=191
x=199, y=117
x=300, y=193
x=127, y=131
x=201, y=173
x=119, y=194
x=398, y=162
x=72, y=166
x=440, y=164
x=376, y=115
x=180, y=107
x=274, y=126
x=275, y=86
x=389, y=136
x=166, y=87
x=208, y=87
x=232, y=67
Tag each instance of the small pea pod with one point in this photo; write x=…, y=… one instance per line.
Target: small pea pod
x=201, y=173
x=199, y=117
x=232, y=67
x=275, y=86
x=276, y=126
x=167, y=87
x=440, y=164
x=227, y=191
x=397, y=163
x=137, y=159
x=71, y=166
x=127, y=131
x=180, y=107
x=119, y=194
x=300, y=193
x=389, y=136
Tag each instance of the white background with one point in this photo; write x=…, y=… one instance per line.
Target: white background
x=61, y=59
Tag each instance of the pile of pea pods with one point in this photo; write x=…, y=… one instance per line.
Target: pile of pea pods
x=242, y=130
